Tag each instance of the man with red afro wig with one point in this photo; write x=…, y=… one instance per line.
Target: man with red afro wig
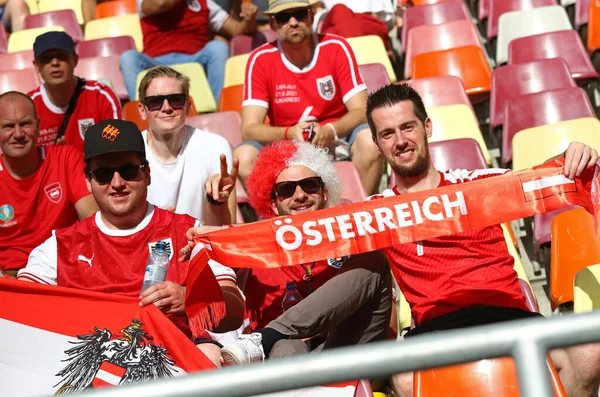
x=346, y=299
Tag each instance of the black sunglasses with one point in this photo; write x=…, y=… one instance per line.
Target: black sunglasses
x=127, y=171
x=155, y=102
x=287, y=189
x=284, y=17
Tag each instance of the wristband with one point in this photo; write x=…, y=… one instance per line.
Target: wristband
x=212, y=201
x=335, y=136
x=285, y=136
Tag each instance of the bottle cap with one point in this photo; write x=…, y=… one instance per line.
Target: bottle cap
x=291, y=284
x=161, y=245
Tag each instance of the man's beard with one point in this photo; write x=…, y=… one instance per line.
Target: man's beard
x=418, y=168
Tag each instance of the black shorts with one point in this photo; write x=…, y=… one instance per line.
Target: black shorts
x=470, y=317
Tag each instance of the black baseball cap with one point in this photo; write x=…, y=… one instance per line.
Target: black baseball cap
x=53, y=41
x=113, y=136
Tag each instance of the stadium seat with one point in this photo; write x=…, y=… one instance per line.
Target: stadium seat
x=226, y=124
x=581, y=13
x=510, y=81
x=530, y=300
x=425, y=2
x=18, y=80
x=441, y=91
x=515, y=24
x=550, y=140
x=199, y=88
x=593, y=32
x=122, y=25
x=525, y=111
x=16, y=61
x=469, y=63
x=115, y=8
x=105, y=47
x=575, y=246
x=103, y=68
x=65, y=18
x=444, y=36
x=235, y=70
x=374, y=75
x=131, y=113
x=33, y=6
x=246, y=43
x=3, y=39
x=456, y=121
x=542, y=226
x=565, y=44
x=352, y=187
x=23, y=39
x=231, y=98
x=499, y=7
x=586, y=295
x=54, y=5
x=484, y=11
x=432, y=14
x=370, y=49
x=495, y=377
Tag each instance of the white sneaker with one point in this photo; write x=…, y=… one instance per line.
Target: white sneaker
x=247, y=349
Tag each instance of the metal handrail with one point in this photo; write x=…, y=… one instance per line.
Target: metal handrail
x=527, y=341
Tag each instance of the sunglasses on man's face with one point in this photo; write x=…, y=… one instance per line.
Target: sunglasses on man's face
x=286, y=189
x=155, y=102
x=284, y=17
x=128, y=172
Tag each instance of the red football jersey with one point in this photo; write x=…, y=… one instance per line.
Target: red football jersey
x=31, y=208
x=185, y=28
x=444, y=274
x=265, y=288
x=316, y=93
x=96, y=102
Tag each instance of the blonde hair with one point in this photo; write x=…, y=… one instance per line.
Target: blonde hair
x=162, y=71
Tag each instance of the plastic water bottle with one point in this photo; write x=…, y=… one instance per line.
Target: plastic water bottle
x=291, y=297
x=156, y=266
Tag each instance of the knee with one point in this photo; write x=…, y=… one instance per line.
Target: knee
x=403, y=384
x=585, y=362
x=246, y=154
x=129, y=59
x=18, y=6
x=217, y=49
x=212, y=352
x=365, y=147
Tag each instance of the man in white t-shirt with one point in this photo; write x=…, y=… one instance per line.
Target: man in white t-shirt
x=108, y=252
x=181, y=157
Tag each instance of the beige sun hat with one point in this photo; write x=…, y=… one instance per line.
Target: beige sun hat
x=277, y=6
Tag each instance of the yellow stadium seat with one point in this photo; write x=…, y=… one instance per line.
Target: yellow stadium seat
x=235, y=70
x=122, y=25
x=370, y=49
x=199, y=88
x=53, y=5
x=534, y=146
x=456, y=121
x=33, y=6
x=23, y=40
x=404, y=313
x=587, y=290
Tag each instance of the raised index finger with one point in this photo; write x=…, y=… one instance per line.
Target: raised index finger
x=223, y=165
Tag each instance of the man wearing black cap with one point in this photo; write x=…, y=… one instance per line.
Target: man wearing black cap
x=107, y=252
x=67, y=105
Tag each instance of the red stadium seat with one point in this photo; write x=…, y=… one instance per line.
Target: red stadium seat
x=103, y=68
x=444, y=36
x=352, y=189
x=581, y=13
x=3, y=39
x=425, y=2
x=244, y=44
x=564, y=44
x=16, y=60
x=105, y=47
x=523, y=112
x=432, y=14
x=529, y=296
x=374, y=75
x=114, y=8
x=510, y=81
x=499, y=7
x=19, y=80
x=226, y=124
x=484, y=10
x=469, y=63
x=441, y=91
x=65, y=18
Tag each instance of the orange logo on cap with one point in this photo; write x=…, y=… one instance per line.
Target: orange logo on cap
x=109, y=132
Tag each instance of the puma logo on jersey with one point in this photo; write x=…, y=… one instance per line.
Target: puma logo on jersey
x=84, y=259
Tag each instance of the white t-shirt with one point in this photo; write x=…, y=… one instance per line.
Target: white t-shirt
x=181, y=184
x=363, y=5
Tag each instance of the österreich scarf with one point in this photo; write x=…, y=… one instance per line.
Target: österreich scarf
x=361, y=227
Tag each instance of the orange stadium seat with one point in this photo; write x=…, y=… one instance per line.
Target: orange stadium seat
x=231, y=98
x=131, y=113
x=105, y=47
x=114, y=8
x=352, y=187
x=495, y=377
x=593, y=32
x=441, y=91
x=19, y=80
x=469, y=63
x=65, y=18
x=103, y=68
x=16, y=60
x=226, y=124
x=575, y=246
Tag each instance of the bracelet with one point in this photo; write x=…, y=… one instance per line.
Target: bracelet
x=212, y=201
x=285, y=134
x=335, y=136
